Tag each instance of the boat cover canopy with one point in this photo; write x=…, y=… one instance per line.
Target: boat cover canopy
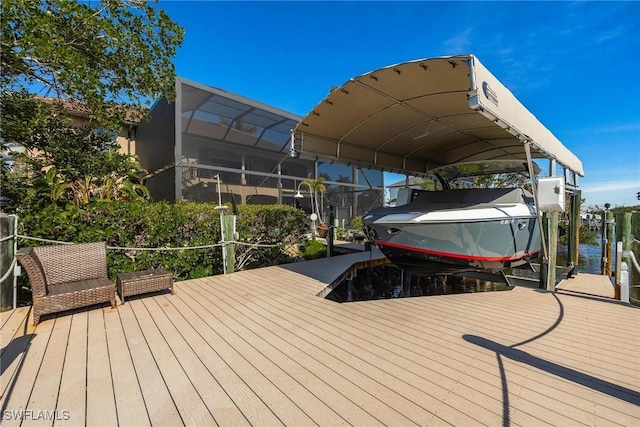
x=417, y=116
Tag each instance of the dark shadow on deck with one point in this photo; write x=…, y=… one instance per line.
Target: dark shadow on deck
x=17, y=348
x=586, y=380
x=591, y=297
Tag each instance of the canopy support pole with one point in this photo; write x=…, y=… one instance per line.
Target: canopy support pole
x=534, y=189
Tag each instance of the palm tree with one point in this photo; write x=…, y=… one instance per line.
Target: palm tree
x=318, y=187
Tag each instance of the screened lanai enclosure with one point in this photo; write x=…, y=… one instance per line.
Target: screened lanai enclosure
x=209, y=132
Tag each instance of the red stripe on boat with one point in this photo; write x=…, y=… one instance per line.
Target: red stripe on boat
x=450, y=255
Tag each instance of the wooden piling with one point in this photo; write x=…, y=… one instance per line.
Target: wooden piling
x=574, y=228
x=623, y=229
x=553, y=250
x=548, y=266
x=623, y=239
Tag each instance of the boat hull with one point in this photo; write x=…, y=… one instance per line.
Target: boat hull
x=456, y=247
x=426, y=240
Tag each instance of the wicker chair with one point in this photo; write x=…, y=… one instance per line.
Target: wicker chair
x=64, y=277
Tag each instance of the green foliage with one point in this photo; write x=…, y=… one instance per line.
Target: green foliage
x=356, y=223
x=313, y=249
x=585, y=236
x=62, y=162
x=268, y=225
x=318, y=187
x=623, y=209
x=100, y=52
x=162, y=224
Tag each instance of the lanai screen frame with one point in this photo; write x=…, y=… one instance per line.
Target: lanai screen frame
x=278, y=118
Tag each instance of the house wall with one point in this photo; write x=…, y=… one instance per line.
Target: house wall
x=155, y=147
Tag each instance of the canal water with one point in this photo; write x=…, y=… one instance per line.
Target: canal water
x=588, y=258
x=383, y=282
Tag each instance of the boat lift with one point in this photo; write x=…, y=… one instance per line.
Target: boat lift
x=414, y=117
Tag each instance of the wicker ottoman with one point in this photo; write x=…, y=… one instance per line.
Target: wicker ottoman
x=140, y=282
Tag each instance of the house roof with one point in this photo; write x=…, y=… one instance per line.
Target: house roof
x=420, y=115
x=77, y=108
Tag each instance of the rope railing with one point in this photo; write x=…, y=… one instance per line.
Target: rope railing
x=9, y=270
x=634, y=261
x=176, y=248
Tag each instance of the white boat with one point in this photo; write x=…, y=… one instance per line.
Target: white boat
x=457, y=230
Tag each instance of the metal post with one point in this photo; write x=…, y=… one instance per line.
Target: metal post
x=534, y=189
x=222, y=226
x=15, y=249
x=330, y=232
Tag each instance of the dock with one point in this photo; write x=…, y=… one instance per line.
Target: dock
x=260, y=348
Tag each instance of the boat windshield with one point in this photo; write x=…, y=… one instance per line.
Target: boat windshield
x=463, y=170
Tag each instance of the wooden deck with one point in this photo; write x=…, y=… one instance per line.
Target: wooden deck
x=259, y=348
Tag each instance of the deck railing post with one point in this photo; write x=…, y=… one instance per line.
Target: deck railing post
x=624, y=282
x=623, y=238
x=616, y=288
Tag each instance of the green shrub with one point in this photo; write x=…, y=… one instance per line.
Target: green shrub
x=313, y=249
x=356, y=223
x=163, y=224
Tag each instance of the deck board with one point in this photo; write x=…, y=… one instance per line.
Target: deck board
x=19, y=390
x=73, y=383
x=478, y=396
x=13, y=320
x=259, y=348
x=361, y=356
x=101, y=406
x=219, y=405
x=159, y=405
x=46, y=388
x=188, y=401
x=126, y=388
x=205, y=345
x=253, y=367
x=15, y=340
x=266, y=340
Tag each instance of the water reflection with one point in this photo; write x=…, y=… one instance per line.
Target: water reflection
x=588, y=258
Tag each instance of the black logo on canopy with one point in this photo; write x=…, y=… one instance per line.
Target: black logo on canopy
x=489, y=93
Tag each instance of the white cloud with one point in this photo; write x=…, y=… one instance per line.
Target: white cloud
x=459, y=43
x=612, y=186
x=617, y=193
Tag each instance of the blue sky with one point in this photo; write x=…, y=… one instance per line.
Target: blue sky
x=574, y=65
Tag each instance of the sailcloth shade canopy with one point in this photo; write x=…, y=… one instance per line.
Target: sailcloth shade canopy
x=421, y=115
